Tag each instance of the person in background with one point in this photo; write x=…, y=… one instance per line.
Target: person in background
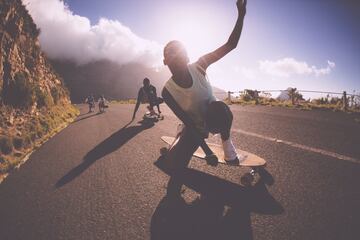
x=102, y=104
x=90, y=100
x=147, y=94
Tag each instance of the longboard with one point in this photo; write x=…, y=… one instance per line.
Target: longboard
x=251, y=160
x=149, y=116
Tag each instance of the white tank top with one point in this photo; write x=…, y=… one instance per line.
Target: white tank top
x=194, y=100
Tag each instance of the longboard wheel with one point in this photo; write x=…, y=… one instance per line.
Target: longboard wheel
x=247, y=179
x=163, y=151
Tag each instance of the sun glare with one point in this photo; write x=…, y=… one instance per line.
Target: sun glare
x=198, y=33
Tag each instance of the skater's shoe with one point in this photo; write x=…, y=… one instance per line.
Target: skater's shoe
x=233, y=162
x=236, y=161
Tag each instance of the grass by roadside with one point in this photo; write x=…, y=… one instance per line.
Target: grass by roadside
x=127, y=101
x=264, y=101
x=300, y=105
x=21, y=133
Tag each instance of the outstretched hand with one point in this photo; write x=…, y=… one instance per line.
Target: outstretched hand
x=241, y=6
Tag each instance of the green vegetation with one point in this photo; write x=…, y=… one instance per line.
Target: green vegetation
x=333, y=104
x=128, y=101
x=43, y=99
x=56, y=94
x=21, y=92
x=6, y=145
x=22, y=136
x=33, y=105
x=18, y=143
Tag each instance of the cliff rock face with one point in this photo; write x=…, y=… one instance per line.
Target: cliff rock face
x=26, y=77
x=34, y=102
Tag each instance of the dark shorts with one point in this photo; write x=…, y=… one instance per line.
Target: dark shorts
x=156, y=101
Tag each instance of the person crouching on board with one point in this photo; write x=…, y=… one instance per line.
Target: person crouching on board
x=189, y=95
x=147, y=93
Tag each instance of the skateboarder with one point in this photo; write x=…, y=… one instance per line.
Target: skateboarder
x=90, y=100
x=189, y=95
x=102, y=104
x=147, y=93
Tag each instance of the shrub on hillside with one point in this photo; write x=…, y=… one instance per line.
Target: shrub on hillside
x=2, y=160
x=6, y=145
x=43, y=99
x=56, y=94
x=18, y=143
x=20, y=92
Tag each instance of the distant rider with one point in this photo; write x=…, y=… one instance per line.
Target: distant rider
x=147, y=94
x=90, y=100
x=102, y=104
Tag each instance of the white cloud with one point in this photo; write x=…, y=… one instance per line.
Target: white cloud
x=245, y=72
x=65, y=35
x=248, y=73
x=287, y=67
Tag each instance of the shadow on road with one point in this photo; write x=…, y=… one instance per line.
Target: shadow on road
x=109, y=145
x=89, y=116
x=221, y=212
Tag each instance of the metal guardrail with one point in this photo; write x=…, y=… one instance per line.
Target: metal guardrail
x=345, y=96
x=304, y=91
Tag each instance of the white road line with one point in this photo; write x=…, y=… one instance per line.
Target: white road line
x=300, y=146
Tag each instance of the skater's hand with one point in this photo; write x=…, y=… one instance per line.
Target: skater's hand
x=241, y=6
x=212, y=160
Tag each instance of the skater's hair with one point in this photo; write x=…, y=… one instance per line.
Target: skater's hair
x=218, y=117
x=146, y=80
x=174, y=47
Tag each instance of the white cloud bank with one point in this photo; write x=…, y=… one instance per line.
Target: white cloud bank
x=65, y=35
x=287, y=67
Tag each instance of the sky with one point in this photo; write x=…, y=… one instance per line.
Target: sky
x=311, y=45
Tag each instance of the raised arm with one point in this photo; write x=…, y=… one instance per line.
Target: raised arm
x=208, y=59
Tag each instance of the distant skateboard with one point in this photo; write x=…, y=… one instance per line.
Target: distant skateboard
x=153, y=117
x=253, y=161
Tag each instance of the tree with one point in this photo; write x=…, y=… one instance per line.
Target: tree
x=294, y=95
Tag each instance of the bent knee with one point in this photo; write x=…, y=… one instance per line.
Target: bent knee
x=218, y=117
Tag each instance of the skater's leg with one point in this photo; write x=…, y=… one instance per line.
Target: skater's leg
x=180, y=156
x=158, y=102
x=158, y=107
x=219, y=120
x=151, y=108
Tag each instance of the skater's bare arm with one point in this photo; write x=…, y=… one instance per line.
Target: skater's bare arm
x=169, y=100
x=138, y=101
x=208, y=59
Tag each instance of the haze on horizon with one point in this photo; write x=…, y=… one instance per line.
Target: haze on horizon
x=311, y=45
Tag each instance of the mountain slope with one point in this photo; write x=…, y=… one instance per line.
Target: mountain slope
x=105, y=77
x=34, y=101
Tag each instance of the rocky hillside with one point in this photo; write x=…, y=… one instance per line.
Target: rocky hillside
x=33, y=99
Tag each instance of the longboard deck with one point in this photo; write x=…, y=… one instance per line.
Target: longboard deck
x=251, y=160
x=148, y=115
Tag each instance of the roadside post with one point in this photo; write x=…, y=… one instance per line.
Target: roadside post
x=229, y=97
x=344, y=101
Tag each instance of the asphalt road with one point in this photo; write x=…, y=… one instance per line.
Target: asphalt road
x=97, y=180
